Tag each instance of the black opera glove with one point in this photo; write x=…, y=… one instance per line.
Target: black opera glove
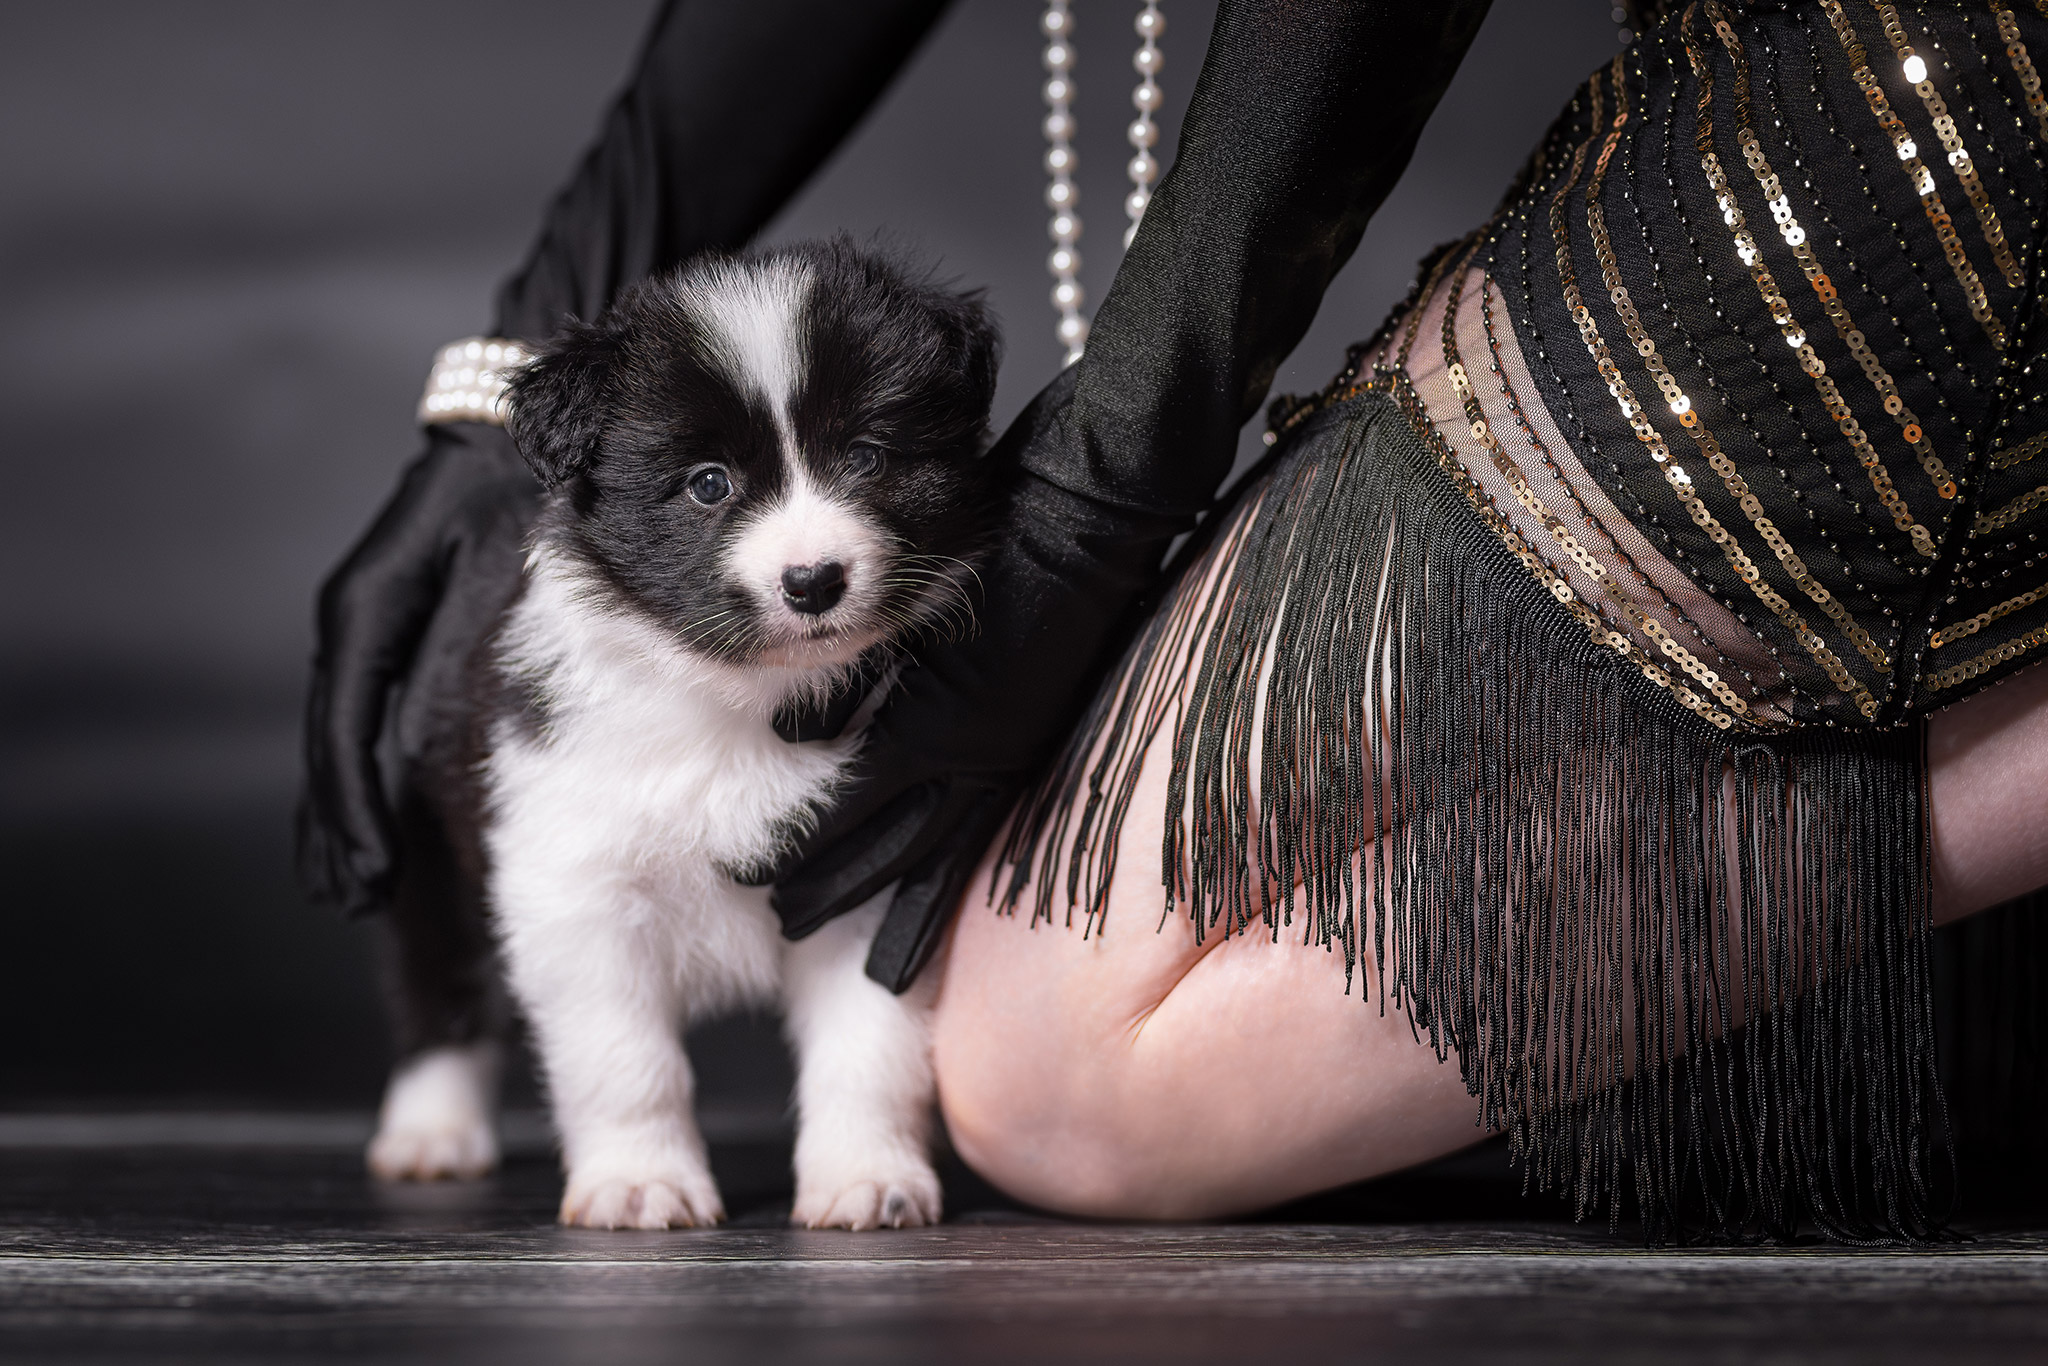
x=1303, y=117
x=405, y=610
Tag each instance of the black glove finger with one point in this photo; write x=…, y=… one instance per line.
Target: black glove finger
x=856, y=865
x=346, y=831
x=928, y=893
x=323, y=864
x=373, y=611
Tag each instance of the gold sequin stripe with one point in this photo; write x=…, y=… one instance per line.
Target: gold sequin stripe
x=1682, y=405
x=2020, y=454
x=1951, y=137
x=1429, y=285
x=1962, y=630
x=1398, y=386
x=1592, y=523
x=1986, y=662
x=2004, y=517
x=1916, y=172
x=1393, y=380
x=1795, y=237
x=1482, y=432
x=1348, y=384
x=2022, y=64
x=1780, y=308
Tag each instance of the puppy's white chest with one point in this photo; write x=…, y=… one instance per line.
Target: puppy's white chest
x=707, y=780
x=642, y=751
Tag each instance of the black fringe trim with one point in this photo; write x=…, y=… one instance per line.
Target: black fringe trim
x=1577, y=887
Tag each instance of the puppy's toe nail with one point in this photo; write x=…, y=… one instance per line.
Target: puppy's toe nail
x=658, y=1203
x=663, y=1206
x=896, y=1210
x=855, y=1208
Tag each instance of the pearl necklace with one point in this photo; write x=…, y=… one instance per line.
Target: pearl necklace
x=1061, y=195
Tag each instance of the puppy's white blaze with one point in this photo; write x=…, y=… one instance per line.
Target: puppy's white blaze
x=755, y=318
x=808, y=526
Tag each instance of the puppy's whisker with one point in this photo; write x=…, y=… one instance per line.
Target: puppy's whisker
x=963, y=566
x=692, y=631
x=939, y=596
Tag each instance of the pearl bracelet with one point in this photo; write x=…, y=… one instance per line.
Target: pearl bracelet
x=467, y=383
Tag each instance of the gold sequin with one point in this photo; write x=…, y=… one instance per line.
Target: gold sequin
x=1917, y=172
x=1482, y=431
x=1962, y=630
x=2007, y=457
x=2004, y=517
x=1795, y=237
x=1986, y=662
x=1397, y=385
x=1681, y=405
x=2022, y=65
x=1959, y=159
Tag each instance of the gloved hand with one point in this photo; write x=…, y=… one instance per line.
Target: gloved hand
x=1303, y=117
x=408, y=606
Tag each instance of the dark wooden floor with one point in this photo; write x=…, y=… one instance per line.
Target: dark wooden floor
x=219, y=1239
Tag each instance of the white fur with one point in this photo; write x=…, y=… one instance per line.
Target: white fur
x=755, y=316
x=864, y=1094
x=607, y=836
x=436, y=1117
x=808, y=526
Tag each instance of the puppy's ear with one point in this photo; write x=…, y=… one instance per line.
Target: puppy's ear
x=980, y=343
x=557, y=405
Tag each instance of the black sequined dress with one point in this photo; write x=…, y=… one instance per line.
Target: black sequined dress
x=1600, y=602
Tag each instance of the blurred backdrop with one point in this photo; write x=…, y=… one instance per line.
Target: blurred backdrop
x=232, y=236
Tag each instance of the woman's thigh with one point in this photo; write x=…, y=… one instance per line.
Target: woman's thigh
x=1133, y=1072
x=1988, y=777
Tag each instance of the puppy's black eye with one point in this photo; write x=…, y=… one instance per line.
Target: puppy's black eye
x=709, y=485
x=863, y=458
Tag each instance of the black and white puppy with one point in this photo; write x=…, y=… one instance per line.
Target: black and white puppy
x=761, y=469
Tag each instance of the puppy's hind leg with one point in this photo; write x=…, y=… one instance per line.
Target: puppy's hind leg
x=448, y=1014
x=864, y=1084
x=437, y=1117
x=599, y=984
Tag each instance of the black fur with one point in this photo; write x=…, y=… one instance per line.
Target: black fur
x=616, y=416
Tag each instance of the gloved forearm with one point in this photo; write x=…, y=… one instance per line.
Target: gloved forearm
x=730, y=109
x=1304, y=116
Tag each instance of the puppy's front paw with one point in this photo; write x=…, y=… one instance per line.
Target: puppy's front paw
x=453, y=1149
x=900, y=1194
x=676, y=1198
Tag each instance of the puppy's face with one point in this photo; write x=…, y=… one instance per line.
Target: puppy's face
x=775, y=457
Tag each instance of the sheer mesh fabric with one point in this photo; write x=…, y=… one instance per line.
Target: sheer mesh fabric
x=1484, y=340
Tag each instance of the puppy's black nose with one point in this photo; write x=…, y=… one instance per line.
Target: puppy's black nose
x=813, y=587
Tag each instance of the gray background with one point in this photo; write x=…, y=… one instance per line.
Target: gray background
x=231, y=236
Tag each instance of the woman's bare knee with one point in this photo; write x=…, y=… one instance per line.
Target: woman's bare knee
x=1041, y=1147
x=1041, y=1083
